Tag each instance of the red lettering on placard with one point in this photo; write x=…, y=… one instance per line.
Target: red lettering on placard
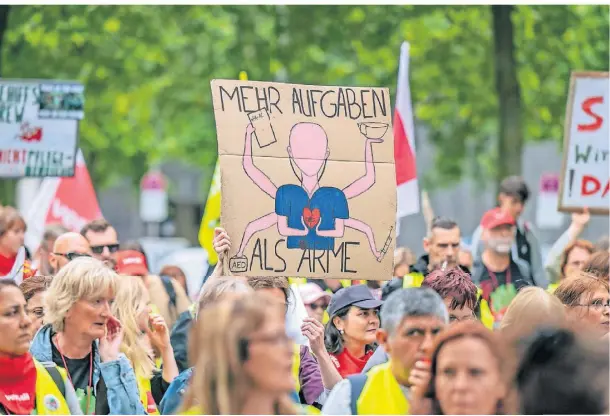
x=586, y=107
x=590, y=185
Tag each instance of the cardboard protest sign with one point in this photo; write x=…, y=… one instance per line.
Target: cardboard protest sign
x=308, y=180
x=39, y=127
x=584, y=178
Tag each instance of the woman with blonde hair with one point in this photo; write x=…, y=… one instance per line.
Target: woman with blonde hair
x=143, y=331
x=243, y=359
x=220, y=288
x=531, y=309
x=587, y=299
x=82, y=337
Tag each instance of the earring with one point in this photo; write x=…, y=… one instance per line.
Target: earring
x=341, y=331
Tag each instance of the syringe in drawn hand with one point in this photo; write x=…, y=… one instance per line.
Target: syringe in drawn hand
x=386, y=246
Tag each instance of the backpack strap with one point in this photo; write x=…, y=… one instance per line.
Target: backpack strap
x=357, y=383
x=169, y=288
x=56, y=376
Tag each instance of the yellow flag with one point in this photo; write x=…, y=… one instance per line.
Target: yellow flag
x=211, y=217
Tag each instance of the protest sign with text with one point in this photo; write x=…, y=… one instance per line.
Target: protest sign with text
x=584, y=178
x=39, y=127
x=308, y=179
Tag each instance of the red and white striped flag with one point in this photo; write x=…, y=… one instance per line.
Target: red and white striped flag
x=404, y=144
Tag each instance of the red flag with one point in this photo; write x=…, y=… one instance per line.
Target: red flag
x=69, y=201
x=404, y=145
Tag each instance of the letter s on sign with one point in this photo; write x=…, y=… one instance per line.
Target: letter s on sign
x=586, y=107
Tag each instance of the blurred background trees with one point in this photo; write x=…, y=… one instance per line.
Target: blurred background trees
x=147, y=71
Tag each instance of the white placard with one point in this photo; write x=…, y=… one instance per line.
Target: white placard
x=39, y=127
x=584, y=180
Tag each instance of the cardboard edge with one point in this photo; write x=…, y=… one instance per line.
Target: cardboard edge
x=567, y=139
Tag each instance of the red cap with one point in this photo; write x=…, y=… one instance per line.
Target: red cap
x=495, y=218
x=131, y=263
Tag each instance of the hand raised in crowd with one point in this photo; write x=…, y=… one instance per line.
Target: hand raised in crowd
x=314, y=331
x=222, y=242
x=581, y=219
x=110, y=344
x=158, y=333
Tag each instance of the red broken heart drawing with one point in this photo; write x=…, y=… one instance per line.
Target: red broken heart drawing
x=311, y=217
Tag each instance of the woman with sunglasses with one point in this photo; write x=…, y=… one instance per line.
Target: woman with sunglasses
x=34, y=290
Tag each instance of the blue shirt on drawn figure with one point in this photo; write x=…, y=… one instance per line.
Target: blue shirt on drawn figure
x=325, y=206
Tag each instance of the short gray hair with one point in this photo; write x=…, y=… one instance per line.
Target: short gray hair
x=414, y=301
x=218, y=287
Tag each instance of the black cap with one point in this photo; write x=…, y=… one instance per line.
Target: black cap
x=358, y=295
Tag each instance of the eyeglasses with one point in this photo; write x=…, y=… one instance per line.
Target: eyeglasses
x=316, y=306
x=113, y=248
x=597, y=305
x=72, y=255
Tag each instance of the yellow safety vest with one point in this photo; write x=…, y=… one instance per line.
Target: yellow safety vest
x=382, y=394
x=49, y=400
x=487, y=318
x=296, y=365
x=552, y=287
x=146, y=396
x=301, y=410
x=412, y=280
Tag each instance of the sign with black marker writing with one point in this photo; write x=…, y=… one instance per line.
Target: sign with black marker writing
x=308, y=179
x=39, y=127
x=584, y=179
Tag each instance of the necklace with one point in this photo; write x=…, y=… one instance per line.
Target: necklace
x=90, y=384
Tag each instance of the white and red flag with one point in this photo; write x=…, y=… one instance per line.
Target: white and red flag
x=404, y=144
x=69, y=201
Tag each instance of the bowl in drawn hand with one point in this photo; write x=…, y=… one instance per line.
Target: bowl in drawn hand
x=373, y=130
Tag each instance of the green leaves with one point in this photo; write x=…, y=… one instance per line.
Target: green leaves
x=147, y=69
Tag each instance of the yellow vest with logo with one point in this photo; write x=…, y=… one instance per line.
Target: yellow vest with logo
x=382, y=394
x=145, y=391
x=49, y=400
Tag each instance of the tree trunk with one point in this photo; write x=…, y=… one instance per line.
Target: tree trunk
x=510, y=134
x=7, y=186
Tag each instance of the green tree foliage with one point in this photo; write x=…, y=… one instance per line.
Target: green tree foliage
x=147, y=68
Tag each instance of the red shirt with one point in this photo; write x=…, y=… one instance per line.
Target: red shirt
x=347, y=364
x=6, y=264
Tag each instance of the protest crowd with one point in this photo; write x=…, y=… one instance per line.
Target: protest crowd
x=489, y=329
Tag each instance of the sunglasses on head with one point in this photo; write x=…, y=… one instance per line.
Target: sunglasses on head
x=315, y=306
x=112, y=248
x=71, y=255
